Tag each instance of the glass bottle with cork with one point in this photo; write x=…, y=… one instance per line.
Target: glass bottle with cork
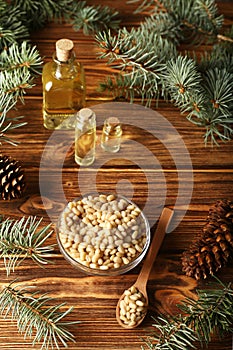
x=85, y=136
x=64, y=89
x=111, y=135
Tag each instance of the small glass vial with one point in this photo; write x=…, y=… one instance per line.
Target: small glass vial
x=111, y=135
x=85, y=136
x=64, y=89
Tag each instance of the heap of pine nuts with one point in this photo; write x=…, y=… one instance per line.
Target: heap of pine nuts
x=132, y=307
x=102, y=231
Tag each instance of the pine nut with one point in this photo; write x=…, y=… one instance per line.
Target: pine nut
x=116, y=265
x=132, y=290
x=132, y=251
x=130, y=312
x=110, y=198
x=100, y=261
x=139, y=303
x=101, y=231
x=76, y=211
x=93, y=266
x=117, y=259
x=134, y=297
x=125, y=260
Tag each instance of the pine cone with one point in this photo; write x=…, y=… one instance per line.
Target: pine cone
x=213, y=247
x=11, y=178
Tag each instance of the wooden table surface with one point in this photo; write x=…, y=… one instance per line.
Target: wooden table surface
x=94, y=297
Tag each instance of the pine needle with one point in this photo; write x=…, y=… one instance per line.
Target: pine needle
x=21, y=239
x=150, y=66
x=18, y=66
x=35, y=318
x=38, y=12
x=12, y=26
x=211, y=312
x=93, y=19
x=21, y=57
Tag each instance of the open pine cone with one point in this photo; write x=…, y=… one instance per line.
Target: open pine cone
x=213, y=247
x=11, y=178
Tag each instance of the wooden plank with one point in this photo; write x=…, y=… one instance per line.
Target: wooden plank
x=161, y=165
x=202, y=157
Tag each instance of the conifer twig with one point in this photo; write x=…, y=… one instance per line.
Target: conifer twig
x=19, y=56
x=150, y=66
x=35, y=318
x=199, y=16
x=92, y=19
x=18, y=66
x=21, y=239
x=13, y=28
x=211, y=313
x=36, y=13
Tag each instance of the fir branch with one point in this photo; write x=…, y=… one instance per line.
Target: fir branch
x=6, y=102
x=34, y=315
x=218, y=87
x=182, y=79
x=220, y=57
x=3, y=5
x=18, y=66
x=120, y=86
x=143, y=6
x=207, y=98
x=49, y=9
x=203, y=21
x=13, y=84
x=211, y=312
x=218, y=127
x=141, y=55
x=89, y=18
x=149, y=67
x=134, y=47
x=170, y=334
x=199, y=19
x=39, y=12
x=20, y=56
x=93, y=19
x=7, y=124
x=23, y=239
x=12, y=26
x=165, y=25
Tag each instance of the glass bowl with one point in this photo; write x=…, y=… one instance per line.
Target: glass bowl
x=103, y=234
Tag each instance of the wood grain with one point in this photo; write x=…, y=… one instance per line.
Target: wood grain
x=94, y=297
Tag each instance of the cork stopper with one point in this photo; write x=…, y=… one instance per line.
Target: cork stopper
x=64, y=49
x=113, y=121
x=85, y=113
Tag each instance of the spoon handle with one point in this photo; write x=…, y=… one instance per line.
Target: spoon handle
x=159, y=234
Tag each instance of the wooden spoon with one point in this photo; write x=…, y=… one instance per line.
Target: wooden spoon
x=143, y=276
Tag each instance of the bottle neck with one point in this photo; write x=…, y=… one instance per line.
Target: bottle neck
x=85, y=118
x=64, y=70
x=112, y=125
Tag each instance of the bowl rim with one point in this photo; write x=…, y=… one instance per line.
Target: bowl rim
x=112, y=271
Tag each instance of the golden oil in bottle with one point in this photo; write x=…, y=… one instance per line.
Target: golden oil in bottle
x=85, y=136
x=64, y=89
x=111, y=135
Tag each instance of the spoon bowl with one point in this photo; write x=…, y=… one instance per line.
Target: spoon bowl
x=135, y=299
x=131, y=324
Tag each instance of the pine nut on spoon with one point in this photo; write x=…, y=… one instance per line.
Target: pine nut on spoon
x=132, y=306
